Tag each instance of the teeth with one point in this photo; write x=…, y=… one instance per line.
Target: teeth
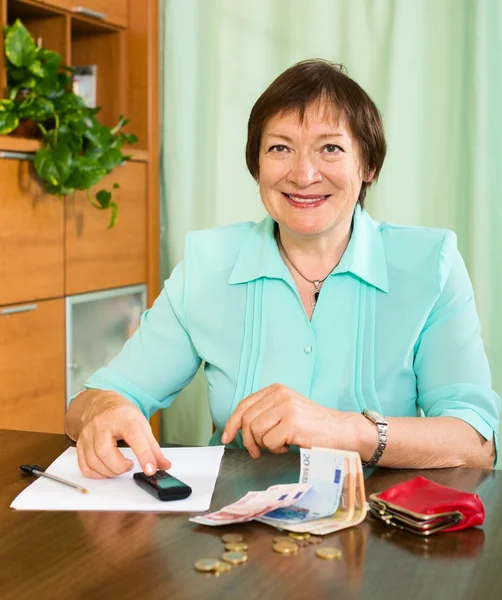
x=305, y=200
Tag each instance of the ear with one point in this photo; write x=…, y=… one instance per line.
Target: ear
x=369, y=177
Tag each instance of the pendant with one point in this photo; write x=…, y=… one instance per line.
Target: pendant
x=314, y=294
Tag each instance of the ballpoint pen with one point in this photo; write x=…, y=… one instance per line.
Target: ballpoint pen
x=39, y=472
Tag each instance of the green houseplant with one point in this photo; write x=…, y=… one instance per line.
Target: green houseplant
x=77, y=150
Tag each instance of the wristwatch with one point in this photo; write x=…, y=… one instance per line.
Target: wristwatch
x=381, y=422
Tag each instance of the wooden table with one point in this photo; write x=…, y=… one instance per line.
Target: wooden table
x=92, y=555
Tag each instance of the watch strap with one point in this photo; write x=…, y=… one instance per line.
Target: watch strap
x=381, y=425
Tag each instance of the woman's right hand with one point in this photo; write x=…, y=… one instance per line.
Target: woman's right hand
x=102, y=419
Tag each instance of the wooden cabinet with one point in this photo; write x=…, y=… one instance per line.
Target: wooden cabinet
x=32, y=370
x=97, y=257
x=31, y=236
x=52, y=248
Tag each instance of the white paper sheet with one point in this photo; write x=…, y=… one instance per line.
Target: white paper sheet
x=197, y=467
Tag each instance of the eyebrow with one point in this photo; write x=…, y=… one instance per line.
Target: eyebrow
x=321, y=137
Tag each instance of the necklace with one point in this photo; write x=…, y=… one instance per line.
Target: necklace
x=314, y=294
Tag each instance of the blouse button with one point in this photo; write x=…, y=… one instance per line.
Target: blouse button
x=307, y=349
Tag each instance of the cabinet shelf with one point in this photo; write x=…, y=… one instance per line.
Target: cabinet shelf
x=28, y=10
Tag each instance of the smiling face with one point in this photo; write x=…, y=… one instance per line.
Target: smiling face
x=310, y=173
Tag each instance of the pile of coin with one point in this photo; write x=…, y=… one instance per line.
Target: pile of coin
x=235, y=548
x=291, y=543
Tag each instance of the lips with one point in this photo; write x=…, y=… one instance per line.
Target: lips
x=305, y=201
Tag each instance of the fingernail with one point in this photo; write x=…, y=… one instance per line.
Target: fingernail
x=224, y=438
x=149, y=469
x=131, y=467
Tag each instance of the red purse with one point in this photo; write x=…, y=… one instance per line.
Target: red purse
x=424, y=507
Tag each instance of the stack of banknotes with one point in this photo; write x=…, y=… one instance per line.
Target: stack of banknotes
x=329, y=496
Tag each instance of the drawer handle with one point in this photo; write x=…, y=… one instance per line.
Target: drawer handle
x=17, y=309
x=17, y=155
x=89, y=13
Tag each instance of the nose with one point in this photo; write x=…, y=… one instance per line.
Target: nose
x=304, y=171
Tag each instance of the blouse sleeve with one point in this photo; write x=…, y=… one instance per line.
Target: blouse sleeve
x=453, y=376
x=159, y=360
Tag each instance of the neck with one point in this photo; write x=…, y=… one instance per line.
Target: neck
x=316, y=256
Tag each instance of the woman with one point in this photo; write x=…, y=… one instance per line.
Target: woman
x=318, y=326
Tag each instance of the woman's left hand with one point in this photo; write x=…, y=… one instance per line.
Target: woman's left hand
x=277, y=417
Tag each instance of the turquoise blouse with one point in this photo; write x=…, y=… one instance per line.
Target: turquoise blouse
x=395, y=328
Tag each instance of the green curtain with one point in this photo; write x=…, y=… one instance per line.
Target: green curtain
x=433, y=68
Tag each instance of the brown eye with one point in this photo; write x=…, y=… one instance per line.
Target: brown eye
x=332, y=148
x=277, y=148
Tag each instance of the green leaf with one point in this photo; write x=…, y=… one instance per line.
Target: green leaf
x=67, y=135
x=24, y=86
x=104, y=197
x=86, y=173
x=9, y=118
x=111, y=159
x=38, y=110
x=131, y=138
x=54, y=165
x=20, y=47
x=8, y=122
x=7, y=105
x=19, y=74
x=52, y=60
x=38, y=69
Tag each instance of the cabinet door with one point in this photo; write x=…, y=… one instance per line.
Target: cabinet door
x=31, y=236
x=32, y=367
x=98, y=325
x=100, y=258
x=113, y=11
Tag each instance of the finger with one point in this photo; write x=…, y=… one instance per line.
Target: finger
x=250, y=443
x=234, y=423
x=139, y=441
x=256, y=422
x=105, y=448
x=94, y=462
x=278, y=438
x=162, y=461
x=86, y=470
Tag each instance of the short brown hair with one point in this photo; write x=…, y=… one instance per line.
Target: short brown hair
x=311, y=80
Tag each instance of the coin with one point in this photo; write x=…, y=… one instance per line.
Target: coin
x=314, y=540
x=299, y=536
x=206, y=565
x=234, y=558
x=236, y=546
x=286, y=547
x=282, y=538
x=328, y=553
x=223, y=567
x=229, y=538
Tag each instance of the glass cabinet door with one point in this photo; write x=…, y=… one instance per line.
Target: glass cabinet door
x=97, y=326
